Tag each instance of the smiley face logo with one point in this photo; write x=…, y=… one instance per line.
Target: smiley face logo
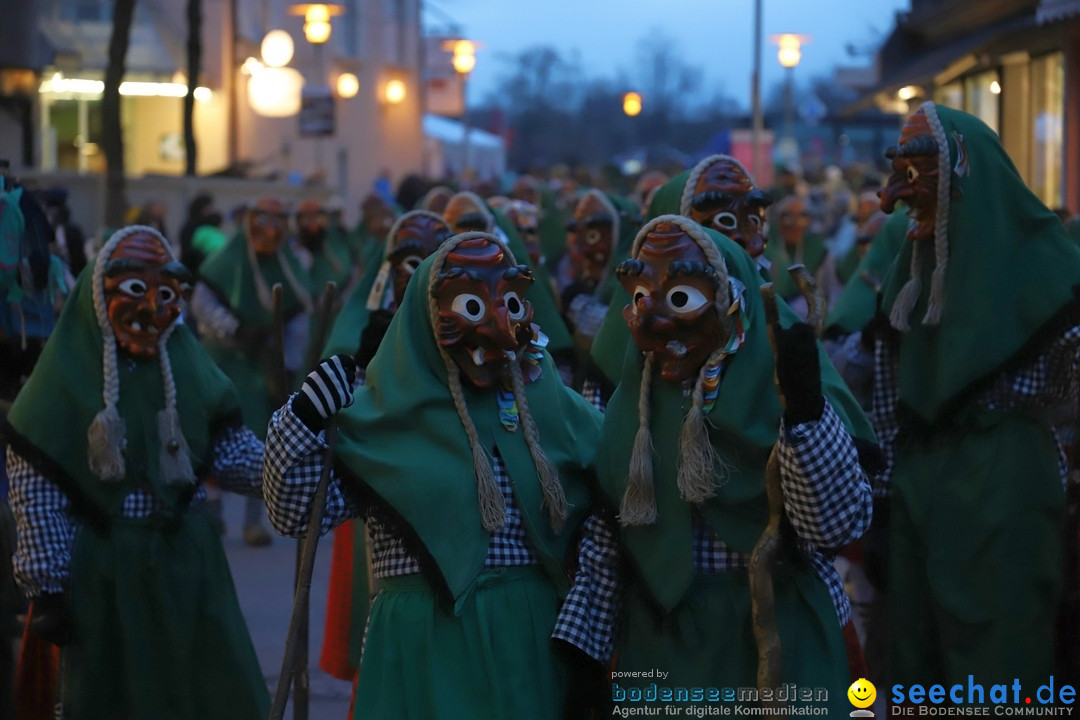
x=862, y=693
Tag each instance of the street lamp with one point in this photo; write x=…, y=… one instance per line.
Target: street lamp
x=316, y=20
x=631, y=104
x=789, y=55
x=463, y=60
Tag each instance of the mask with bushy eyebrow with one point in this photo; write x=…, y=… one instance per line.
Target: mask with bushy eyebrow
x=725, y=199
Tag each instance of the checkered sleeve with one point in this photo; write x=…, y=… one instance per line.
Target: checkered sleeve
x=45, y=529
x=587, y=616
x=883, y=411
x=590, y=390
x=587, y=313
x=826, y=493
x=292, y=465
x=237, y=464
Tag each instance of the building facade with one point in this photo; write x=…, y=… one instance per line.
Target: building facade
x=1013, y=63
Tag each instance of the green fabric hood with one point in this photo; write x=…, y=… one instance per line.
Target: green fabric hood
x=48, y=422
x=1011, y=273
x=857, y=303
x=743, y=426
x=403, y=441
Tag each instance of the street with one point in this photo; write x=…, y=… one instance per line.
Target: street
x=264, y=579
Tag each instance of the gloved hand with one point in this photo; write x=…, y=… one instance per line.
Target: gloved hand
x=798, y=371
x=327, y=389
x=372, y=336
x=51, y=619
x=588, y=694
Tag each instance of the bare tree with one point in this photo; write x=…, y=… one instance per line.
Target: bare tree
x=112, y=131
x=194, y=65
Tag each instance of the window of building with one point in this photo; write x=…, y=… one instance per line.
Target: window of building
x=981, y=98
x=1048, y=127
x=951, y=95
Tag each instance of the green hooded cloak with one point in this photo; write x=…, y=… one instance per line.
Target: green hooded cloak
x=333, y=262
x=403, y=445
x=229, y=274
x=813, y=254
x=857, y=303
x=742, y=425
x=1011, y=273
x=48, y=422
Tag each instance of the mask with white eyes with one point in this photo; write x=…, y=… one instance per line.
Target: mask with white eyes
x=484, y=321
x=673, y=312
x=726, y=200
x=417, y=235
x=143, y=289
x=592, y=241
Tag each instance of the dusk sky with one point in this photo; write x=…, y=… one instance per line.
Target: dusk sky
x=715, y=34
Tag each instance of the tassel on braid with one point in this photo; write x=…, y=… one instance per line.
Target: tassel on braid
x=698, y=459
x=492, y=505
x=909, y=293
x=639, y=501
x=936, y=304
x=174, y=456
x=554, y=496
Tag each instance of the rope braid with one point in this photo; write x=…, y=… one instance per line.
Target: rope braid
x=639, y=501
x=695, y=175
x=909, y=293
x=492, y=505
x=554, y=497
x=936, y=304
x=174, y=459
x=699, y=465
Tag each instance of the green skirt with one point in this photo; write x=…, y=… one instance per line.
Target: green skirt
x=494, y=660
x=707, y=641
x=975, y=555
x=160, y=635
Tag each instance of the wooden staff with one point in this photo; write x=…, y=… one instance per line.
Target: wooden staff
x=766, y=552
x=294, y=664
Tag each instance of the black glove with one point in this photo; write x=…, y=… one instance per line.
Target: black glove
x=327, y=389
x=372, y=336
x=587, y=694
x=798, y=371
x=51, y=619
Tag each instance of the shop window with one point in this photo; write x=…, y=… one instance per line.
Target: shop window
x=1048, y=120
x=981, y=98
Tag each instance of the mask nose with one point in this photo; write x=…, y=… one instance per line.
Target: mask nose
x=500, y=330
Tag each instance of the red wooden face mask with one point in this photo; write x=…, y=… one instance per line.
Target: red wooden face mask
x=417, y=237
x=914, y=178
x=484, y=321
x=143, y=288
x=725, y=199
x=673, y=311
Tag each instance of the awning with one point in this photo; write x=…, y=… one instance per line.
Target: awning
x=1055, y=10
x=922, y=67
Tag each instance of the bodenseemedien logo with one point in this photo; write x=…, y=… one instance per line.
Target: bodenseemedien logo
x=862, y=694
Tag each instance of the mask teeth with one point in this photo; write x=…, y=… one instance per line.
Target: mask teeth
x=676, y=348
x=478, y=356
x=136, y=326
x=153, y=330
x=511, y=355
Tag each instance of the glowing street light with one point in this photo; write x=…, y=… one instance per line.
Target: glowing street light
x=316, y=19
x=464, y=59
x=394, y=92
x=631, y=104
x=347, y=85
x=277, y=48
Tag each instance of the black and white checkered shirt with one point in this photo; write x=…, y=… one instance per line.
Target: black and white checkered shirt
x=1046, y=388
x=46, y=527
x=827, y=498
x=294, y=458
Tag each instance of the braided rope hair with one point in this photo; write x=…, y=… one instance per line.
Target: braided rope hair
x=492, y=505
x=695, y=175
x=700, y=468
x=107, y=436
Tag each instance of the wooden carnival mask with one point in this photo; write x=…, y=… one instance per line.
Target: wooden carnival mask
x=311, y=223
x=484, y=321
x=914, y=178
x=466, y=212
x=378, y=215
x=266, y=224
x=725, y=199
x=793, y=220
x=525, y=189
x=418, y=235
x=143, y=288
x=591, y=238
x=526, y=220
x=673, y=312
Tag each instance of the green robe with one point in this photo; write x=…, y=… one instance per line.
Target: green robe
x=857, y=304
x=976, y=494
x=160, y=631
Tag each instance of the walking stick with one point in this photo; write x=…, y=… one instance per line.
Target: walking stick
x=294, y=665
x=766, y=552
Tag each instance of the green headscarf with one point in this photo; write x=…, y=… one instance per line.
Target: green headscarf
x=742, y=426
x=48, y=424
x=1008, y=285
x=552, y=227
x=1073, y=226
x=230, y=274
x=857, y=303
x=405, y=445
x=349, y=324
x=627, y=223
